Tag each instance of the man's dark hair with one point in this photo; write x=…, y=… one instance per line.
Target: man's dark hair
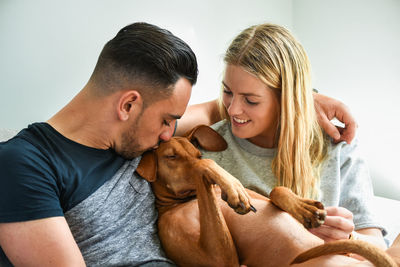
x=146, y=57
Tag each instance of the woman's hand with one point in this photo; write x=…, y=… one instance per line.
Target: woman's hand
x=338, y=225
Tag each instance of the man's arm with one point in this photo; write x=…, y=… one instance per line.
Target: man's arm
x=43, y=242
x=329, y=108
x=204, y=113
x=326, y=108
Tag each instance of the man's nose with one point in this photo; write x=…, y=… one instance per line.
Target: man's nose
x=167, y=133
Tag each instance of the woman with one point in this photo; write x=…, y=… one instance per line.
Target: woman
x=274, y=138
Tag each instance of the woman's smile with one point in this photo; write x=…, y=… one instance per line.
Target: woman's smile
x=240, y=122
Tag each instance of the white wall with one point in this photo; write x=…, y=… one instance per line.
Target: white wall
x=354, y=48
x=48, y=48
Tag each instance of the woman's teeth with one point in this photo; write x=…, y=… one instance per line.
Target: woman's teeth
x=239, y=120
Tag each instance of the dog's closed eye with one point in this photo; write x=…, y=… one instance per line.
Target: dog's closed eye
x=170, y=154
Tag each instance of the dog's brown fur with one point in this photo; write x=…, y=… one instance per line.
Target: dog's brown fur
x=197, y=228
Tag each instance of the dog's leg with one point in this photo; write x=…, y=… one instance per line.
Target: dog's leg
x=308, y=212
x=215, y=238
x=232, y=190
x=194, y=233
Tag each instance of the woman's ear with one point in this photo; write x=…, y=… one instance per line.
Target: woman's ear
x=129, y=102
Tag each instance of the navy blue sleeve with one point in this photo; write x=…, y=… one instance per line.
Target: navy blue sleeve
x=28, y=188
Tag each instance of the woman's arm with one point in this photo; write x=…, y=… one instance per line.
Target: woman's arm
x=347, y=184
x=372, y=235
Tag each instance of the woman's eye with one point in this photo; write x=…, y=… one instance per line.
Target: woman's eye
x=165, y=122
x=251, y=102
x=227, y=92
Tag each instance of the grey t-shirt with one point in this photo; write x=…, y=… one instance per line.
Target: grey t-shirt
x=116, y=226
x=345, y=179
x=110, y=210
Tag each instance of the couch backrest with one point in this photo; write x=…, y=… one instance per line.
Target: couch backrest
x=6, y=134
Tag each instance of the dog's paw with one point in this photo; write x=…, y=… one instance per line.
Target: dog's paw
x=310, y=213
x=239, y=208
x=232, y=190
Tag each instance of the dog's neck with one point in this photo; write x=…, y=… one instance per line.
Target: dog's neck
x=166, y=200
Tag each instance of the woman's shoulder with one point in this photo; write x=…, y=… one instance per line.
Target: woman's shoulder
x=342, y=147
x=222, y=127
x=343, y=152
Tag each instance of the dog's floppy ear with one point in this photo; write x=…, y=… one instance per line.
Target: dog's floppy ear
x=148, y=166
x=207, y=138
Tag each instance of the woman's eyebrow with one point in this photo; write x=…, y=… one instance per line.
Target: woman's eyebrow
x=245, y=94
x=224, y=84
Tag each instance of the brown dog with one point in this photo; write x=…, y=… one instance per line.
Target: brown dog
x=204, y=231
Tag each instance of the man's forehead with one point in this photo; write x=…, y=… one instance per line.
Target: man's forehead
x=174, y=105
x=169, y=107
x=172, y=109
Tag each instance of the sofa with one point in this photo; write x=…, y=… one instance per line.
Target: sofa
x=386, y=208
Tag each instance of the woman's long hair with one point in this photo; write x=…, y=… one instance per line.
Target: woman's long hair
x=273, y=55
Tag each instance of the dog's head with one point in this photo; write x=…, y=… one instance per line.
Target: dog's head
x=172, y=163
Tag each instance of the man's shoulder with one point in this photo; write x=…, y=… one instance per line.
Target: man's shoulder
x=43, y=161
x=26, y=147
x=16, y=150
x=26, y=182
x=26, y=138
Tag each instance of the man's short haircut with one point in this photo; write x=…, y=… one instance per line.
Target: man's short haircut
x=146, y=58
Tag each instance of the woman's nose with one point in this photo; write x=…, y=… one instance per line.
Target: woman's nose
x=234, y=107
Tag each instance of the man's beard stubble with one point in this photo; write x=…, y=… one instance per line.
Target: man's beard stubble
x=130, y=145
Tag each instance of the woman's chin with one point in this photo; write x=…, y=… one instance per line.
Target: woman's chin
x=239, y=133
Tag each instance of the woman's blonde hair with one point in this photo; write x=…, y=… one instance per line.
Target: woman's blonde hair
x=273, y=55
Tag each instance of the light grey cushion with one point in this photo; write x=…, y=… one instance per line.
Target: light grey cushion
x=6, y=134
x=387, y=211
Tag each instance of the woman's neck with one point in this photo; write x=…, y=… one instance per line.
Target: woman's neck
x=266, y=140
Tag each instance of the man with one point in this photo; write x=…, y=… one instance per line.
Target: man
x=69, y=194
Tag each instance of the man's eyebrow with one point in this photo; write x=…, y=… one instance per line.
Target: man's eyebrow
x=173, y=116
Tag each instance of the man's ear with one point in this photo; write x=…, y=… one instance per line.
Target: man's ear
x=129, y=102
x=148, y=166
x=205, y=137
